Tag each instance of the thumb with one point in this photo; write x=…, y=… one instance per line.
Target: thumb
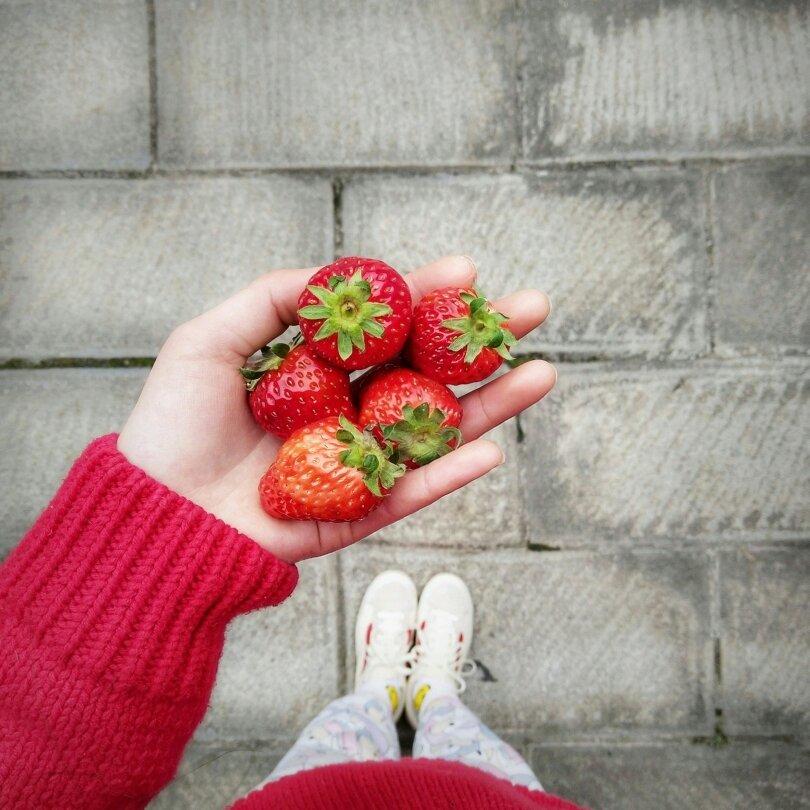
x=250, y=319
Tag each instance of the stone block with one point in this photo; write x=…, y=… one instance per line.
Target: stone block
x=764, y=604
x=762, y=243
x=110, y=267
x=336, y=83
x=570, y=642
x=74, y=84
x=642, y=79
x=46, y=419
x=707, y=451
x=757, y=776
x=622, y=256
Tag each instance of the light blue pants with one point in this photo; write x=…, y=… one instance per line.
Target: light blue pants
x=360, y=727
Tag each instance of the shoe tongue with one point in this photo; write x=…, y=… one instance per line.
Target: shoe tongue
x=442, y=617
x=389, y=637
x=439, y=650
x=441, y=629
x=390, y=621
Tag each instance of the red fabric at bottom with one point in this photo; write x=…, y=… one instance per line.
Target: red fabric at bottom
x=432, y=784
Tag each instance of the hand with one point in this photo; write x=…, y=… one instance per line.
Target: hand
x=192, y=428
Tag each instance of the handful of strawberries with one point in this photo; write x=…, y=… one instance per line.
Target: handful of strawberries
x=347, y=442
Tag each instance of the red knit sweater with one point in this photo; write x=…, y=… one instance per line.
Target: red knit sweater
x=112, y=618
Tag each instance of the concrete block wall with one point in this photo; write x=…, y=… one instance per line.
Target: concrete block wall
x=640, y=564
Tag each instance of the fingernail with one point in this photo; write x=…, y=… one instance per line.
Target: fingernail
x=471, y=262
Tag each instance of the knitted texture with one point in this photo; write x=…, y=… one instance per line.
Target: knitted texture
x=112, y=619
x=429, y=784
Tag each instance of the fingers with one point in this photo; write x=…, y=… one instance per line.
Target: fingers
x=451, y=271
x=262, y=311
x=506, y=396
x=421, y=487
x=254, y=316
x=526, y=310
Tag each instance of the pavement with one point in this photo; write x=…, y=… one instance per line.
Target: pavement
x=641, y=563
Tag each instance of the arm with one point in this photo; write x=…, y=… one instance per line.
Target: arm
x=112, y=619
x=114, y=606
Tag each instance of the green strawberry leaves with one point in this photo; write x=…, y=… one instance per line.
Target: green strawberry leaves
x=482, y=328
x=420, y=435
x=366, y=454
x=346, y=311
x=270, y=360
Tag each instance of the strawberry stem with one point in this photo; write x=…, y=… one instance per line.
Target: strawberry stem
x=421, y=436
x=482, y=328
x=271, y=358
x=365, y=453
x=346, y=311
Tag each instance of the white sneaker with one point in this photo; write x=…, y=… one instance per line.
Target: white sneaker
x=444, y=628
x=383, y=635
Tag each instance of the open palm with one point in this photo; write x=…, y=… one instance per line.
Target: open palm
x=192, y=428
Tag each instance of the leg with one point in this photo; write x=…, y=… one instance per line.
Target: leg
x=449, y=730
x=361, y=726
x=353, y=728
x=445, y=727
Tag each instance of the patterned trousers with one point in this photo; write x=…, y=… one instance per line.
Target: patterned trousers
x=360, y=727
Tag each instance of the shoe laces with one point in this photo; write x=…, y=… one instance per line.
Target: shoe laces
x=437, y=649
x=387, y=649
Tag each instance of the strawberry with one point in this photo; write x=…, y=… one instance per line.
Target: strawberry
x=419, y=416
x=329, y=470
x=356, y=312
x=290, y=387
x=457, y=336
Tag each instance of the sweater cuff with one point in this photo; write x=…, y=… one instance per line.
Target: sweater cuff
x=124, y=577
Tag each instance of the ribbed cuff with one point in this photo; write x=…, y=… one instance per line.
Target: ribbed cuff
x=125, y=578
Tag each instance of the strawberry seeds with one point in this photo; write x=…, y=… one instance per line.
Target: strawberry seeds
x=346, y=444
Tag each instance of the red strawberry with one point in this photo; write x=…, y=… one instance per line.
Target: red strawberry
x=457, y=337
x=329, y=470
x=291, y=387
x=419, y=416
x=356, y=312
